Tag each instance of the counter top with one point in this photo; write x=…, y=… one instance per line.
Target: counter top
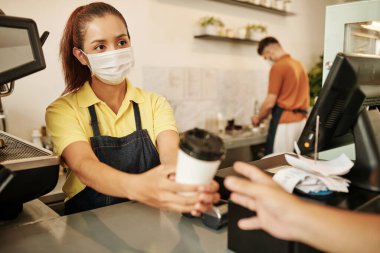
x=33, y=212
x=125, y=227
x=130, y=227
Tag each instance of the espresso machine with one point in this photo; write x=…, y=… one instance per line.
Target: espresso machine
x=26, y=171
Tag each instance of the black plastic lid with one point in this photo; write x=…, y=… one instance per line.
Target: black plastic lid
x=202, y=145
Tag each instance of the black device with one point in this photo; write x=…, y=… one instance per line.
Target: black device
x=30, y=171
x=5, y=177
x=21, y=48
x=348, y=107
x=217, y=216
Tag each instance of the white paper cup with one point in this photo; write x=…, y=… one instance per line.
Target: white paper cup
x=193, y=171
x=199, y=157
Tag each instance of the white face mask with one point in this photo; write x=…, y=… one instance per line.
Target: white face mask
x=111, y=67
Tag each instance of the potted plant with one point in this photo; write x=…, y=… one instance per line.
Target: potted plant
x=211, y=25
x=255, y=31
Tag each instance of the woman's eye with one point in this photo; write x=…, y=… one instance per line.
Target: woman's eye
x=100, y=47
x=122, y=43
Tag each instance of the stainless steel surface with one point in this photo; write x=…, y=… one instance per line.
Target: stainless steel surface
x=243, y=140
x=126, y=227
x=33, y=212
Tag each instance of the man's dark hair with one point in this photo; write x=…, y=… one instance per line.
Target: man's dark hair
x=264, y=43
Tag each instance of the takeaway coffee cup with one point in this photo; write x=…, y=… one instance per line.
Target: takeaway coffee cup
x=199, y=156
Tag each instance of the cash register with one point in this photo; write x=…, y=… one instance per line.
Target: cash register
x=26, y=171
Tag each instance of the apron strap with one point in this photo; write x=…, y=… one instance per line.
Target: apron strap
x=276, y=115
x=94, y=121
x=136, y=110
x=302, y=111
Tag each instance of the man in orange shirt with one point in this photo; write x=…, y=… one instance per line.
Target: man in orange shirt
x=287, y=100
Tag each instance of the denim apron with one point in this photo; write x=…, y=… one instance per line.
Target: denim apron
x=276, y=115
x=134, y=153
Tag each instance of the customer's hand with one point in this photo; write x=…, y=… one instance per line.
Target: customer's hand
x=157, y=188
x=276, y=209
x=255, y=120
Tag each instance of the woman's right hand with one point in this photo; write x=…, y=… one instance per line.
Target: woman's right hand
x=157, y=188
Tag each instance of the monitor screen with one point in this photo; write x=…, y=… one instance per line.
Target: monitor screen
x=348, y=109
x=20, y=48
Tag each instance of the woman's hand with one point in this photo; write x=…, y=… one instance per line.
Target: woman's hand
x=157, y=188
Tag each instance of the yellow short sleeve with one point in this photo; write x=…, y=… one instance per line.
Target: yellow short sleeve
x=63, y=125
x=163, y=117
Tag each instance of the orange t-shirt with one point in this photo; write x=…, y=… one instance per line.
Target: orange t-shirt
x=288, y=80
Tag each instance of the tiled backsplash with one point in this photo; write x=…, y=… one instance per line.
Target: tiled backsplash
x=198, y=94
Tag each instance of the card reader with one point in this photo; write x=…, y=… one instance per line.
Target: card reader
x=217, y=216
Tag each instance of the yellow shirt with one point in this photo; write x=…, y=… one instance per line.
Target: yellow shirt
x=68, y=121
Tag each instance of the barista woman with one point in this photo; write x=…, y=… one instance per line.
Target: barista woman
x=118, y=141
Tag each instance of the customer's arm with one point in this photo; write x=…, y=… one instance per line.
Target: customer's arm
x=265, y=109
x=287, y=217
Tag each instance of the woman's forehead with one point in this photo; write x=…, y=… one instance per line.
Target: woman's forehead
x=101, y=28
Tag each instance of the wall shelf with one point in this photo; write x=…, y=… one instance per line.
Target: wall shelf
x=255, y=6
x=221, y=38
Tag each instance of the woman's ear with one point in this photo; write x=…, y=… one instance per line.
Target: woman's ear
x=80, y=56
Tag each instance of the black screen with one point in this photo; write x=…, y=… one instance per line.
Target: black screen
x=20, y=48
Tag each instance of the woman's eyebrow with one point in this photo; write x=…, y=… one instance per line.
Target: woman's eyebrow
x=97, y=41
x=121, y=35
x=103, y=40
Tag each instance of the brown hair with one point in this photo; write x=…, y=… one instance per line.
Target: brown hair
x=75, y=73
x=266, y=42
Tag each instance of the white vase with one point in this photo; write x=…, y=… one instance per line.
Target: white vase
x=267, y=3
x=257, y=2
x=287, y=6
x=241, y=33
x=211, y=30
x=255, y=35
x=279, y=5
